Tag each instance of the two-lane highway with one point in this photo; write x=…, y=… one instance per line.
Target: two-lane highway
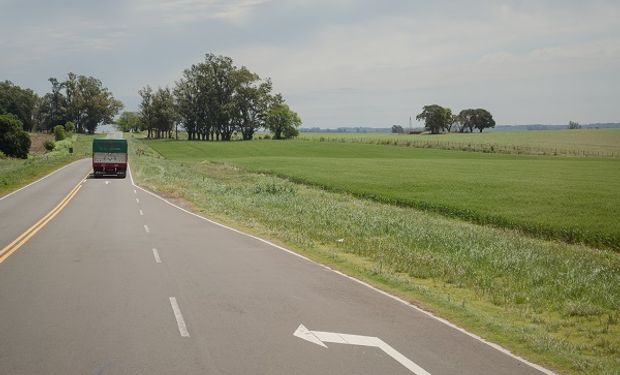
x=121, y=282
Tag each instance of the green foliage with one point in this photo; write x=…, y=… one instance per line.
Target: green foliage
x=89, y=104
x=18, y=101
x=14, y=141
x=2, y=155
x=70, y=126
x=545, y=196
x=214, y=100
x=53, y=107
x=157, y=112
x=547, y=299
x=282, y=121
x=49, y=144
x=128, y=121
x=59, y=132
x=80, y=99
x=475, y=119
x=436, y=118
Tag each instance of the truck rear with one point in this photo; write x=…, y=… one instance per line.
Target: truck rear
x=110, y=157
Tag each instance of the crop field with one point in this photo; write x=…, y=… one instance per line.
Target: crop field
x=581, y=142
x=571, y=199
x=552, y=302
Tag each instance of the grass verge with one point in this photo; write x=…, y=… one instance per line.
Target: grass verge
x=554, y=303
x=15, y=173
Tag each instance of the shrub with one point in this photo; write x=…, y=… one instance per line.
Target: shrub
x=69, y=127
x=2, y=155
x=59, y=132
x=14, y=141
x=49, y=145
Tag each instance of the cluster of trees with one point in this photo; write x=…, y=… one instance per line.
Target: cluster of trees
x=80, y=103
x=574, y=125
x=81, y=100
x=214, y=100
x=438, y=119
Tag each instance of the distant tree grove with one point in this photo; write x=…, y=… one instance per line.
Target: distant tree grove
x=213, y=100
x=80, y=103
x=438, y=119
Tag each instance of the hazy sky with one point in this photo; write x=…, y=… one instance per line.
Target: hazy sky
x=339, y=62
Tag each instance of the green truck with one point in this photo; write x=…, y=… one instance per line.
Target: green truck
x=110, y=157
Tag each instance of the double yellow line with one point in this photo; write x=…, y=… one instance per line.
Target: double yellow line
x=28, y=234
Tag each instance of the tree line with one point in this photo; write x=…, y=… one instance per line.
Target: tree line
x=80, y=103
x=81, y=100
x=213, y=100
x=438, y=119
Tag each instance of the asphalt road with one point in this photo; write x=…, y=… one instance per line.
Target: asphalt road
x=120, y=282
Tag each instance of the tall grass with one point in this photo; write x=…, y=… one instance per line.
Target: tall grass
x=553, y=302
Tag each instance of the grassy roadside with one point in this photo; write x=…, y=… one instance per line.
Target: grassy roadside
x=553, y=303
x=571, y=199
x=15, y=173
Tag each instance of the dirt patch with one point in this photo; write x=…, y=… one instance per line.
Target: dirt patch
x=37, y=140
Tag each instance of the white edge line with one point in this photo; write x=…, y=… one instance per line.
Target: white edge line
x=39, y=180
x=179, y=317
x=398, y=299
x=156, y=256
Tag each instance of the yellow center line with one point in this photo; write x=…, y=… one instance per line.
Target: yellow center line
x=30, y=232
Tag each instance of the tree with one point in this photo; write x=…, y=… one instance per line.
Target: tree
x=397, y=129
x=475, y=118
x=436, y=118
x=14, y=141
x=187, y=99
x=574, y=125
x=157, y=112
x=164, y=112
x=20, y=102
x=251, y=102
x=89, y=104
x=52, y=108
x=128, y=121
x=147, y=116
x=282, y=121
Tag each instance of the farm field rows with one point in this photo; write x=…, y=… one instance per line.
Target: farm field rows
x=552, y=302
x=580, y=142
x=572, y=199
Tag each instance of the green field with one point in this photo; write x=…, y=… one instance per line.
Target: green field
x=572, y=199
x=555, y=303
x=581, y=142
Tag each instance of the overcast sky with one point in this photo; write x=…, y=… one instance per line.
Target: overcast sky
x=339, y=62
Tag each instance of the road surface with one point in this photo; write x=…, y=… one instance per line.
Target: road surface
x=120, y=282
